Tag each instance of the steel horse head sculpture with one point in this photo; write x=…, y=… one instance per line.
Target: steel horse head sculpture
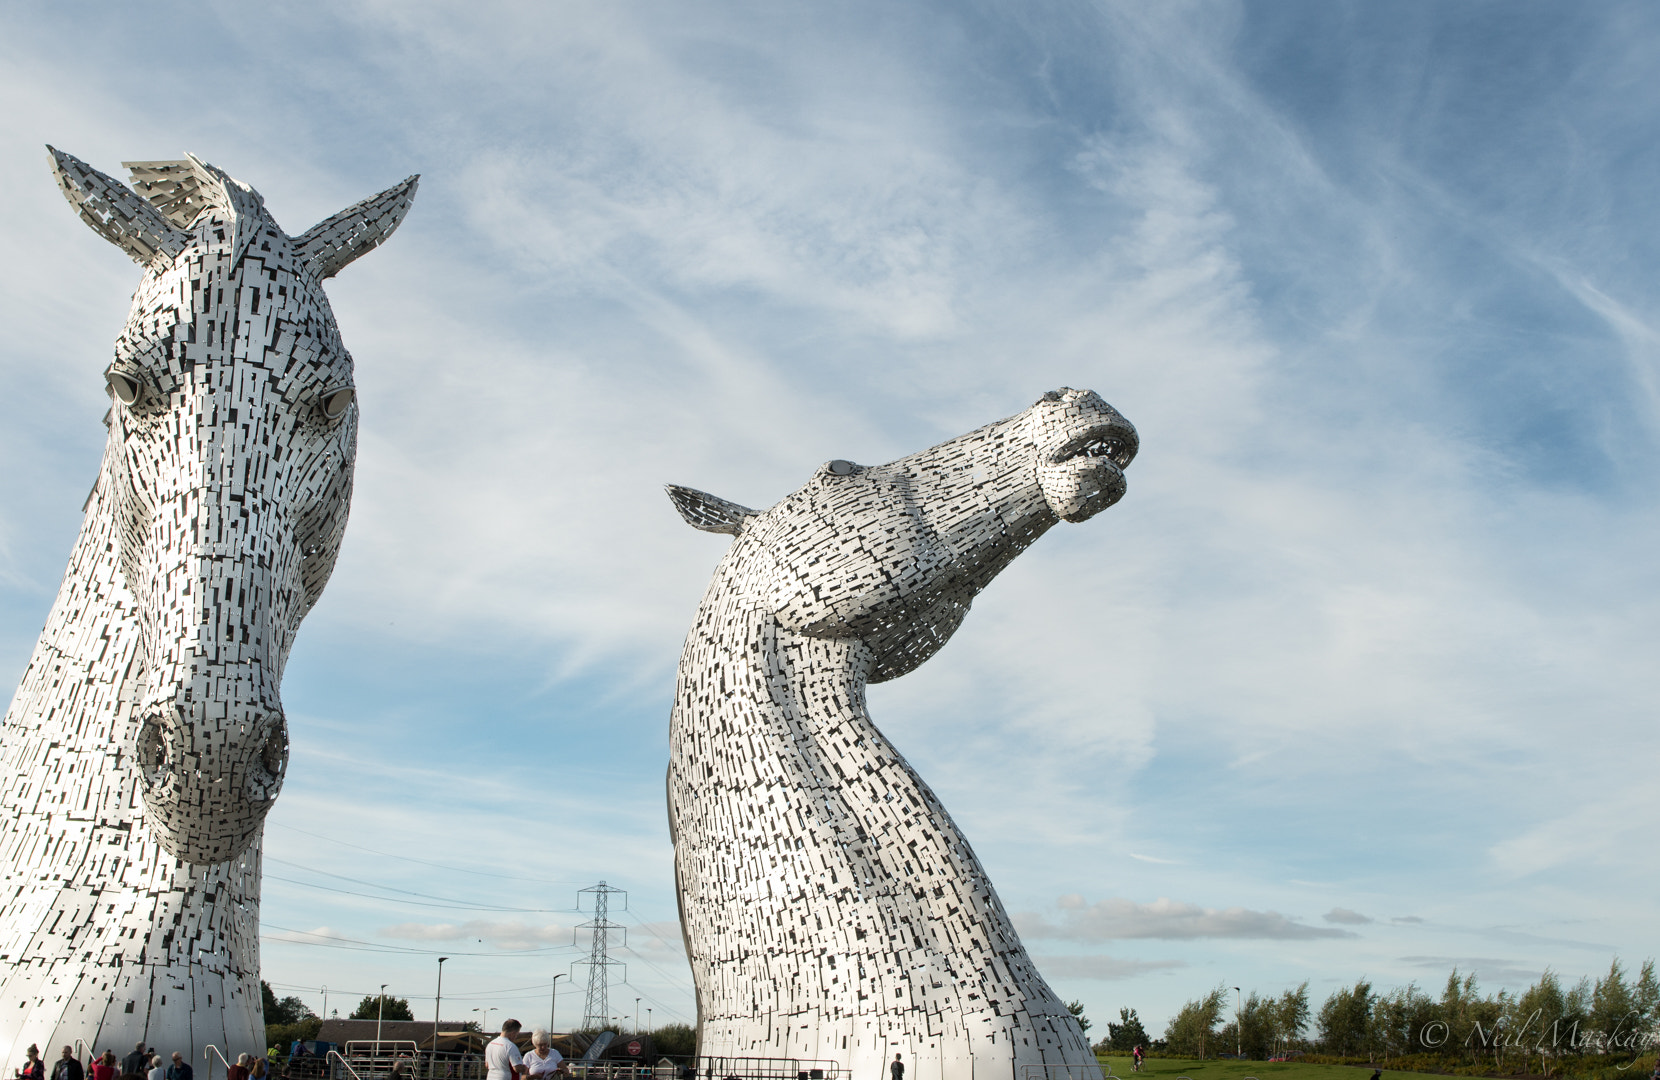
x=832, y=909
x=147, y=742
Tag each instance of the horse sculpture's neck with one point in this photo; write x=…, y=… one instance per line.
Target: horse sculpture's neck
x=838, y=913
x=102, y=935
x=820, y=855
x=832, y=909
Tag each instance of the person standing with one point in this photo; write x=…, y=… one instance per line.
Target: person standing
x=33, y=1068
x=896, y=1071
x=543, y=1060
x=158, y=1071
x=1135, y=1052
x=105, y=1068
x=135, y=1063
x=67, y=1067
x=180, y=1069
x=502, y=1055
x=238, y=1071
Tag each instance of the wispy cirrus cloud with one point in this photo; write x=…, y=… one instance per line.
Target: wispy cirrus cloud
x=1118, y=919
x=1498, y=970
x=1099, y=966
x=502, y=935
x=303, y=937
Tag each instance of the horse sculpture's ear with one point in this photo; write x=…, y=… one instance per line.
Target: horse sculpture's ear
x=328, y=246
x=704, y=511
x=117, y=214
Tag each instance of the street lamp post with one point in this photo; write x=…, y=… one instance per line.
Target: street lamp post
x=486, y=1013
x=325, y=1002
x=380, y=1018
x=649, y=1025
x=553, y=1000
x=636, y=1016
x=437, y=1005
x=1238, y=1028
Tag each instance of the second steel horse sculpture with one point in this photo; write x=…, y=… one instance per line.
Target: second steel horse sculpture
x=832, y=910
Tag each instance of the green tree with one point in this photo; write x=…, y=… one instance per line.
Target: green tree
x=1127, y=1034
x=1251, y=1031
x=1645, y=999
x=1400, y=1018
x=369, y=1008
x=1548, y=1021
x=1471, y=1022
x=1290, y=1017
x=1345, y=1018
x=1193, y=1030
x=282, y=1036
x=675, y=1040
x=1254, y=1026
x=290, y=1010
x=1076, y=1008
x=1613, y=1008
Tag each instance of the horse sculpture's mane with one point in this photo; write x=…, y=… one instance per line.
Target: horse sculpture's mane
x=147, y=742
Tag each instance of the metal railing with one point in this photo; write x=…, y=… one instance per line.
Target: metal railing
x=760, y=1068
x=330, y=1058
x=1090, y=1071
x=356, y=1048
x=615, y=1069
x=209, y=1060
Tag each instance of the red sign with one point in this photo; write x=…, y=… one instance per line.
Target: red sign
x=634, y=1048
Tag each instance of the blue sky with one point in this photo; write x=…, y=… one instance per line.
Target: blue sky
x=1357, y=680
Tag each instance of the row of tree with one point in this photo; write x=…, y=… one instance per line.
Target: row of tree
x=290, y=1018
x=1613, y=1015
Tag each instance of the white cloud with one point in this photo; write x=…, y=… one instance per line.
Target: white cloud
x=320, y=933
x=1118, y=919
x=502, y=935
x=1097, y=966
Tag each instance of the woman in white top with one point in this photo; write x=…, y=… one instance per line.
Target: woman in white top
x=158, y=1071
x=543, y=1059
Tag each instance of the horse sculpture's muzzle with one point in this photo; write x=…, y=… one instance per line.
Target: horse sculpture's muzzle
x=210, y=767
x=1083, y=449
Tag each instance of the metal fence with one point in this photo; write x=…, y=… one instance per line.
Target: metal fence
x=1061, y=1072
x=759, y=1068
x=363, y=1063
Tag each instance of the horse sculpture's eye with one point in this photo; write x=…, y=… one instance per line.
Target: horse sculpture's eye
x=122, y=386
x=336, y=402
x=275, y=753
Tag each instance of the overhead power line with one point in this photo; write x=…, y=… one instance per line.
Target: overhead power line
x=421, y=862
x=410, y=892
x=329, y=941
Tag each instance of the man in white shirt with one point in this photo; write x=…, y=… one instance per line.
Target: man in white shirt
x=502, y=1055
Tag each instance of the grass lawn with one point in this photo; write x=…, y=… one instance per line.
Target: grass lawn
x=1156, y=1068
